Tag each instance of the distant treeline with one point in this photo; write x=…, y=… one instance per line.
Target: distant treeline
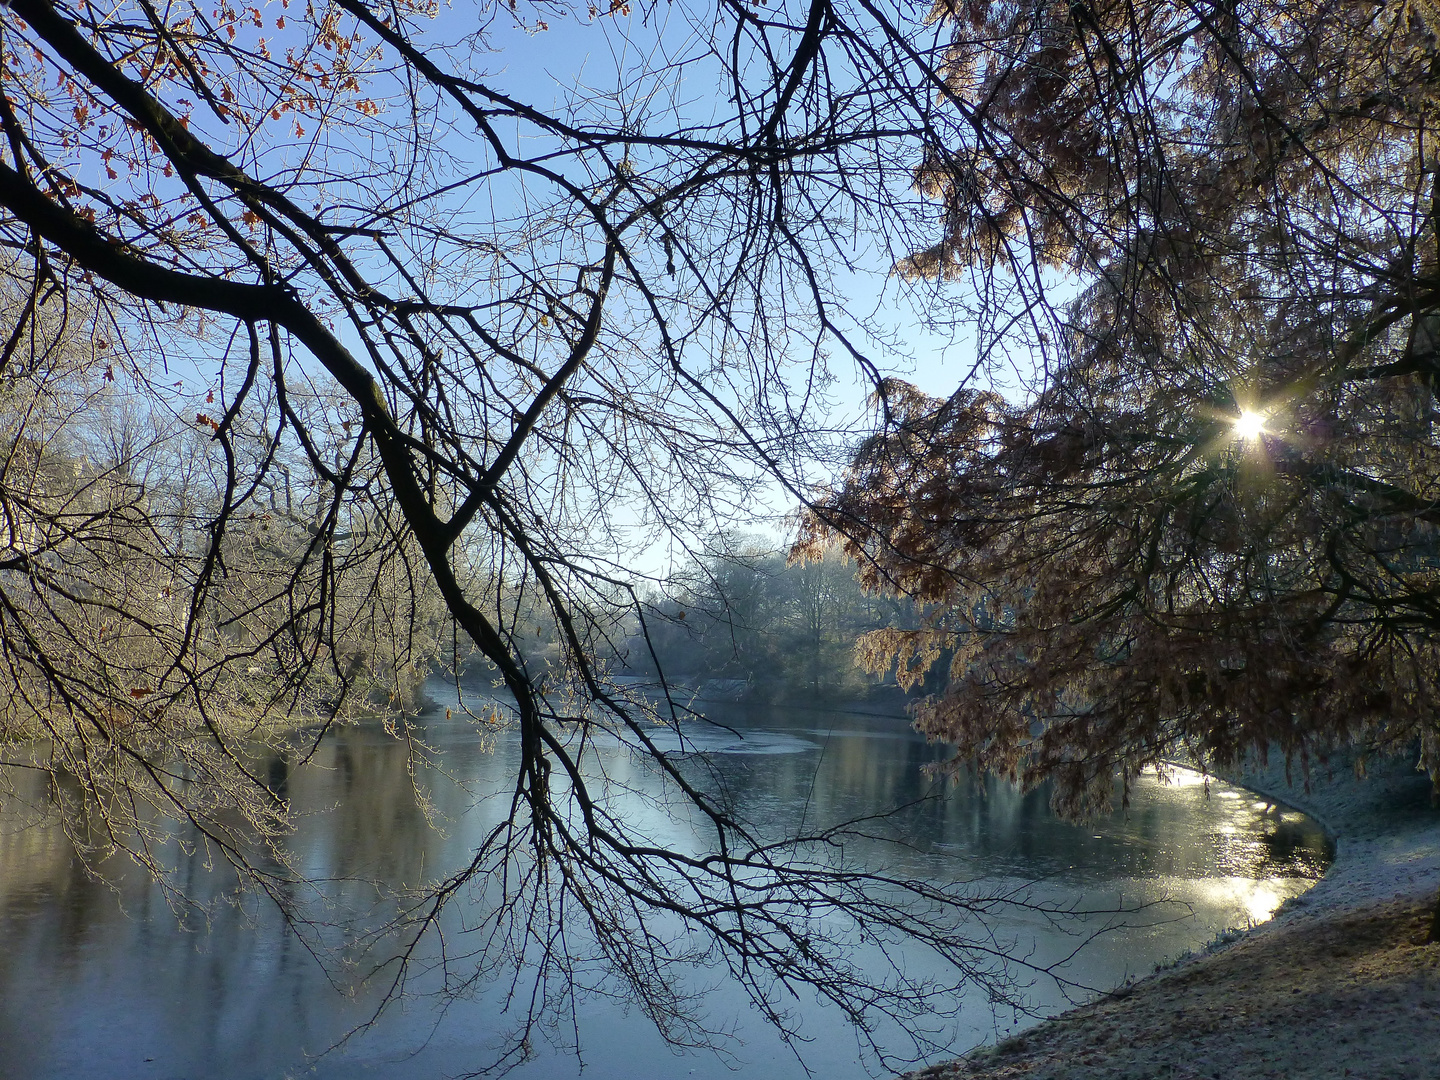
x=741, y=622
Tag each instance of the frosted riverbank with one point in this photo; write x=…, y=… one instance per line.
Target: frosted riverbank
x=1339, y=984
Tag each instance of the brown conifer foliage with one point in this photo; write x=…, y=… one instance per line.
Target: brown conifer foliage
x=1211, y=526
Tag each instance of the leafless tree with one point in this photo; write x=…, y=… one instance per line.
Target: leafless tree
x=423, y=325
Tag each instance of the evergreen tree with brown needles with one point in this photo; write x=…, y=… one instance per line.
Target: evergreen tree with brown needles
x=1210, y=527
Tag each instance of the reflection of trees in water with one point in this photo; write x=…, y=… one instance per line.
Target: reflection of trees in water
x=278, y=775
x=248, y=983
x=360, y=820
x=42, y=881
x=361, y=816
x=363, y=821
x=251, y=984
x=986, y=825
x=32, y=849
x=239, y=983
x=1292, y=849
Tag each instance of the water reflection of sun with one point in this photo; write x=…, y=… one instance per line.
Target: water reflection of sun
x=1254, y=899
x=1257, y=854
x=1177, y=776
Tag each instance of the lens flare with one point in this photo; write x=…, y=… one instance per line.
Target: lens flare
x=1249, y=425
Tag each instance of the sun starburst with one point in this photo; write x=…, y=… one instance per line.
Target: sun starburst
x=1249, y=426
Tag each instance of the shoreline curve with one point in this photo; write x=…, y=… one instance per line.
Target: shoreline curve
x=1338, y=984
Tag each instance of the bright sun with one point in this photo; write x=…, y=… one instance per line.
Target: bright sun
x=1249, y=425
